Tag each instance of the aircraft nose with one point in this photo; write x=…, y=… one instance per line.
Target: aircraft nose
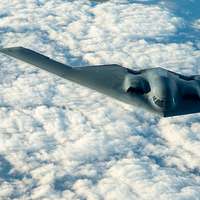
x=162, y=93
x=162, y=87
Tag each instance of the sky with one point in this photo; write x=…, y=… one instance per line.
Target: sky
x=59, y=140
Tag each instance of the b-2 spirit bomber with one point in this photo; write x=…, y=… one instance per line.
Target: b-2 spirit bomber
x=155, y=89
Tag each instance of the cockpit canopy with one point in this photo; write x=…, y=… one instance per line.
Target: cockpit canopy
x=136, y=84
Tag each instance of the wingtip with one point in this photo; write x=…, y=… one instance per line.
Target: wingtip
x=7, y=50
x=13, y=47
x=3, y=50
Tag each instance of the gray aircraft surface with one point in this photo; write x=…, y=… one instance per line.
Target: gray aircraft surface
x=156, y=89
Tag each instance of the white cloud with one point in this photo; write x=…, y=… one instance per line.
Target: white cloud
x=59, y=140
x=197, y=24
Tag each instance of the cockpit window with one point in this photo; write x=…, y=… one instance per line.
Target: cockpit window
x=136, y=90
x=136, y=85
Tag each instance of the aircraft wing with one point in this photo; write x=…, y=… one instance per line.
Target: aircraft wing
x=188, y=102
x=186, y=106
x=106, y=79
x=91, y=76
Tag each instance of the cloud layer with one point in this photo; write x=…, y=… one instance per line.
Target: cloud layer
x=59, y=140
x=197, y=24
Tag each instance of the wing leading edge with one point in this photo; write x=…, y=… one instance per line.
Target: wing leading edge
x=107, y=79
